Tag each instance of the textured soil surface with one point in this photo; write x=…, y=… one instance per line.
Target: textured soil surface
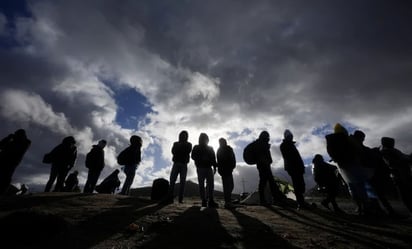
x=73, y=220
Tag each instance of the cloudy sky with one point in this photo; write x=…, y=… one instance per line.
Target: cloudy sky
x=109, y=69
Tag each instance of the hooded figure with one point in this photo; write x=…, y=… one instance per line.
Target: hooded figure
x=95, y=164
x=226, y=162
x=62, y=157
x=205, y=159
x=181, y=156
x=293, y=164
x=132, y=158
x=261, y=151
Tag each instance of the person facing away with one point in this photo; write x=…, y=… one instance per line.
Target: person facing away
x=263, y=163
x=63, y=158
x=95, y=164
x=226, y=163
x=377, y=175
x=399, y=165
x=181, y=156
x=109, y=184
x=12, y=149
x=345, y=151
x=204, y=157
x=293, y=164
x=326, y=176
x=132, y=157
x=72, y=182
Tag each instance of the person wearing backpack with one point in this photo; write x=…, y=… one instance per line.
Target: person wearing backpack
x=95, y=164
x=293, y=164
x=226, y=163
x=62, y=159
x=130, y=158
x=205, y=159
x=263, y=159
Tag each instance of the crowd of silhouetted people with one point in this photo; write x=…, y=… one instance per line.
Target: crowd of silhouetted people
x=364, y=171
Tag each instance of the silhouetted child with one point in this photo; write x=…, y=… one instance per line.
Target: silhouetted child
x=205, y=159
x=109, y=184
x=12, y=149
x=326, y=176
x=226, y=163
x=72, y=182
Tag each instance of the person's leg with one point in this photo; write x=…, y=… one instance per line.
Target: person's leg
x=299, y=187
x=52, y=178
x=210, y=187
x=201, y=177
x=61, y=177
x=173, y=177
x=183, y=174
x=262, y=184
x=130, y=172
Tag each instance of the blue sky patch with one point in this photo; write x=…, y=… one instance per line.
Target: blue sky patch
x=132, y=108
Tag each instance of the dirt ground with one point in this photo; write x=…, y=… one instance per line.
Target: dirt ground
x=73, y=220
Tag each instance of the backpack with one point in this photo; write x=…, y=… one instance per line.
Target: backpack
x=249, y=155
x=122, y=157
x=339, y=147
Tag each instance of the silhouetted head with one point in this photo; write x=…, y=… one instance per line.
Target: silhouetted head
x=288, y=135
x=102, y=143
x=264, y=136
x=203, y=139
x=340, y=129
x=317, y=159
x=20, y=134
x=136, y=140
x=183, y=136
x=359, y=136
x=70, y=141
x=388, y=142
x=222, y=142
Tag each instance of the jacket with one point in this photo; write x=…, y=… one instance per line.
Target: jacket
x=95, y=158
x=181, y=152
x=204, y=156
x=293, y=162
x=226, y=160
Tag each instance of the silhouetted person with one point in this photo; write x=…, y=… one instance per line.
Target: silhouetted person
x=109, y=184
x=95, y=164
x=72, y=182
x=377, y=175
x=226, y=163
x=399, y=164
x=130, y=157
x=181, y=156
x=344, y=150
x=62, y=157
x=293, y=164
x=205, y=159
x=12, y=149
x=326, y=176
x=263, y=162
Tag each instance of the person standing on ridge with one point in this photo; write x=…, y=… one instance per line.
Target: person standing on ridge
x=130, y=158
x=294, y=166
x=205, y=159
x=95, y=164
x=226, y=162
x=181, y=156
